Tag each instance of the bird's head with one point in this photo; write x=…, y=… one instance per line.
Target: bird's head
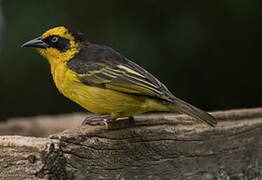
x=57, y=44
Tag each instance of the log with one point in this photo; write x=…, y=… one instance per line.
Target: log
x=41, y=126
x=163, y=146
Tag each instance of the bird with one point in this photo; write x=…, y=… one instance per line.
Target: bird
x=103, y=81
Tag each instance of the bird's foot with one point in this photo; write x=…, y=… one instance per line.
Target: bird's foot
x=97, y=120
x=132, y=121
x=108, y=121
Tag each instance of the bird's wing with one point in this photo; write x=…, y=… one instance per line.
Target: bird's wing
x=108, y=69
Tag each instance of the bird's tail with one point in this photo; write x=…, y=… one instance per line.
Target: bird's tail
x=183, y=107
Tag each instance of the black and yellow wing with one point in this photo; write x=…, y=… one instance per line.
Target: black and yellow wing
x=101, y=66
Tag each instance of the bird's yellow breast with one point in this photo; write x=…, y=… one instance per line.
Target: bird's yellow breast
x=99, y=100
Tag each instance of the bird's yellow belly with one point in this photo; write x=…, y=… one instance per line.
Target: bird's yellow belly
x=105, y=101
x=100, y=100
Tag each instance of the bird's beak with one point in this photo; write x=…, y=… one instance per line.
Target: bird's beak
x=37, y=43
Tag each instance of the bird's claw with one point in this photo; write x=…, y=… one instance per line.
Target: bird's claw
x=97, y=120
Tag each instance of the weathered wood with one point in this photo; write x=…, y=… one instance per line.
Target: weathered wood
x=157, y=147
x=41, y=126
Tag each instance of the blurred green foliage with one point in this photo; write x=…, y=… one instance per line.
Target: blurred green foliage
x=207, y=52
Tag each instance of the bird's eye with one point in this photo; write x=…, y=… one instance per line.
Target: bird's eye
x=54, y=39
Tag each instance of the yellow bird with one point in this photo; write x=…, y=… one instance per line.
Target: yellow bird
x=103, y=81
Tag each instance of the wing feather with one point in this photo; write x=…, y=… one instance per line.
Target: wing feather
x=115, y=72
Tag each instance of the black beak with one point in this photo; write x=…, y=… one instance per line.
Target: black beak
x=37, y=43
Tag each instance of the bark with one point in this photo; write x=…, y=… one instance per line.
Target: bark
x=156, y=147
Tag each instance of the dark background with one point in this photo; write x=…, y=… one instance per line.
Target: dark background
x=207, y=52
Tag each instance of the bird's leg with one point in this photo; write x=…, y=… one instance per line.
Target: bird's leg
x=108, y=121
x=132, y=121
x=97, y=120
x=123, y=122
